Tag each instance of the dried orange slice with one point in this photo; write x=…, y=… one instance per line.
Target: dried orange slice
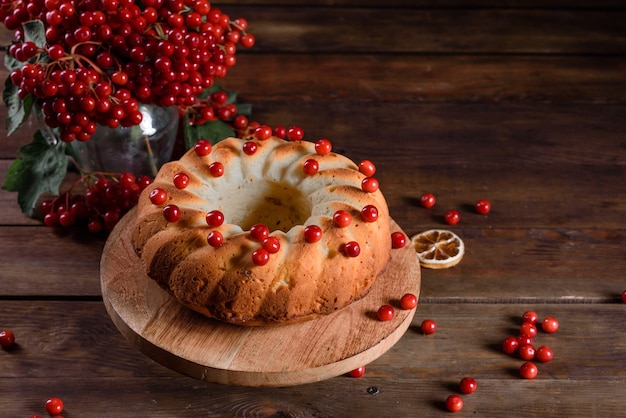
x=438, y=248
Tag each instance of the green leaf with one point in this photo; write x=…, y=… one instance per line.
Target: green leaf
x=18, y=110
x=40, y=169
x=213, y=131
x=35, y=31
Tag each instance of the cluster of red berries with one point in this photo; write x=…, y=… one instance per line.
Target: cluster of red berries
x=522, y=345
x=104, y=57
x=453, y=216
x=106, y=199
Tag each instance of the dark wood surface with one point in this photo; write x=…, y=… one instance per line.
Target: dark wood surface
x=521, y=103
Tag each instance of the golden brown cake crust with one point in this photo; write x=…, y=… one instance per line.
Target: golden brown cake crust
x=300, y=281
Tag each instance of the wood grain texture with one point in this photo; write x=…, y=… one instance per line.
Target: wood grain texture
x=417, y=374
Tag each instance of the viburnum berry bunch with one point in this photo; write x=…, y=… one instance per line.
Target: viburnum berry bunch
x=91, y=62
x=82, y=64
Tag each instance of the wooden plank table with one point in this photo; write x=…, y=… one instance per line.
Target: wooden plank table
x=518, y=102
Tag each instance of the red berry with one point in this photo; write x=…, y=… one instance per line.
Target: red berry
x=427, y=200
x=524, y=339
x=544, y=354
x=181, y=180
x=216, y=169
x=526, y=352
x=528, y=329
x=203, y=147
x=323, y=146
x=550, y=324
x=385, y=313
x=510, y=345
x=271, y=245
x=483, y=206
x=214, y=218
x=358, y=372
x=452, y=217
x=398, y=240
x=260, y=257
x=263, y=132
x=311, y=167
x=624, y=296
x=428, y=327
x=171, y=213
x=215, y=238
x=295, y=133
x=468, y=385
x=369, y=184
x=342, y=218
x=367, y=167
x=408, y=301
x=454, y=403
x=369, y=213
x=312, y=233
x=250, y=147
x=7, y=338
x=259, y=232
x=528, y=370
x=54, y=406
x=352, y=249
x=530, y=317
x=158, y=196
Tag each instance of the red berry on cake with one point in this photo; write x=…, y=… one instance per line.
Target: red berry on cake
x=271, y=245
x=352, y=249
x=311, y=167
x=203, y=147
x=215, y=238
x=295, y=133
x=260, y=257
x=263, y=132
x=369, y=184
x=323, y=146
x=181, y=180
x=158, y=196
x=250, y=147
x=171, y=213
x=367, y=167
x=259, y=232
x=214, y=218
x=342, y=218
x=216, y=169
x=312, y=233
x=369, y=213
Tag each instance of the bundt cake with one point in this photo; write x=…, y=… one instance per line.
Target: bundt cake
x=263, y=232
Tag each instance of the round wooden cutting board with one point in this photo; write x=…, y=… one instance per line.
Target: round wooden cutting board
x=189, y=343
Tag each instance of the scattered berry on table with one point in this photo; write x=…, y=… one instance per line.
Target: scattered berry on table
x=54, y=406
x=358, y=372
x=452, y=217
x=528, y=370
x=7, y=338
x=526, y=352
x=510, y=345
x=544, y=354
x=530, y=317
x=624, y=296
x=468, y=385
x=483, y=206
x=427, y=200
x=528, y=329
x=428, y=327
x=454, y=403
x=550, y=324
x=385, y=313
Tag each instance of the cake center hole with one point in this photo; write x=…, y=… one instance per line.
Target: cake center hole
x=279, y=207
